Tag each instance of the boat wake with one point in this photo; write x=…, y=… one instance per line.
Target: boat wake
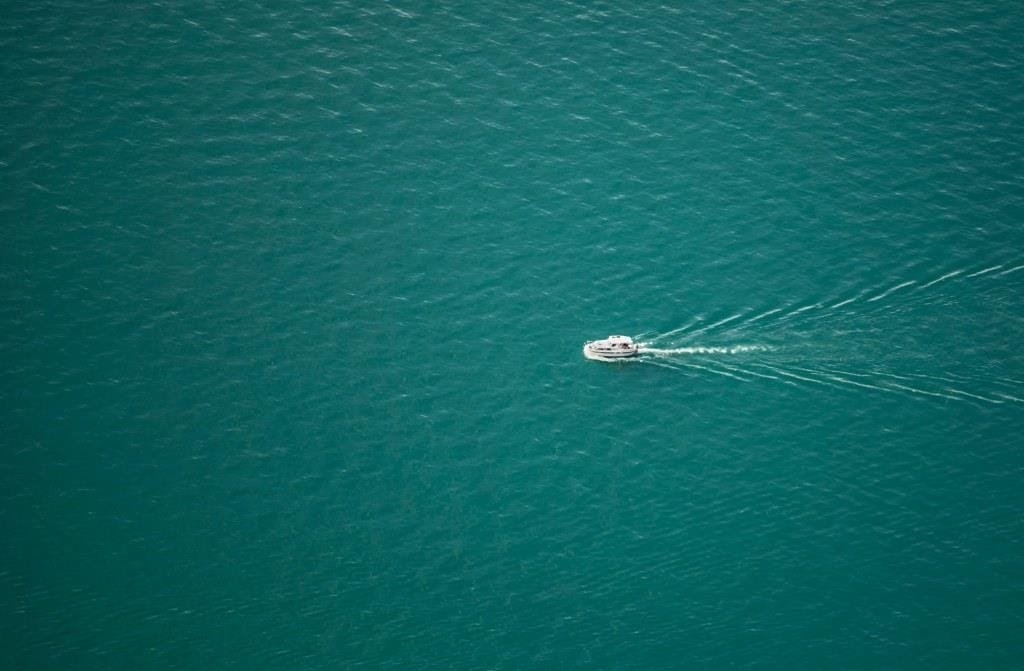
x=697, y=349
x=995, y=391
x=843, y=340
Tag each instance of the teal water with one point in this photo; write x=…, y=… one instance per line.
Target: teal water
x=293, y=300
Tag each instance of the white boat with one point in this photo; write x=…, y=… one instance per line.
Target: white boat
x=612, y=347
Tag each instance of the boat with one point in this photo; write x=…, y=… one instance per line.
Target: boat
x=612, y=347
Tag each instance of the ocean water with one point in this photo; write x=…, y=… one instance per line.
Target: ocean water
x=293, y=301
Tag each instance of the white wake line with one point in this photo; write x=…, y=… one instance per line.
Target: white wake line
x=734, y=349
x=710, y=370
x=914, y=377
x=763, y=315
x=912, y=390
x=944, y=277
x=661, y=365
x=889, y=291
x=911, y=377
x=833, y=379
x=985, y=271
x=755, y=374
x=889, y=385
x=836, y=375
x=674, y=331
x=1005, y=381
x=717, y=324
x=847, y=301
x=794, y=375
x=980, y=398
x=793, y=313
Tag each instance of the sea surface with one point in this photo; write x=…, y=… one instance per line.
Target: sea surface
x=293, y=300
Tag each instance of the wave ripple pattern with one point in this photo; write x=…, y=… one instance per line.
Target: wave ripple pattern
x=293, y=298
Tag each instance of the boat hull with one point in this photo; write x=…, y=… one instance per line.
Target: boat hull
x=609, y=355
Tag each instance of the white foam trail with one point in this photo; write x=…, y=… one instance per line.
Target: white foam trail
x=980, y=398
x=889, y=385
x=951, y=379
x=794, y=313
x=661, y=365
x=717, y=324
x=1007, y=381
x=750, y=372
x=860, y=294
x=847, y=301
x=889, y=291
x=832, y=375
x=922, y=391
x=734, y=349
x=716, y=372
x=1011, y=270
x=674, y=331
x=857, y=384
x=875, y=374
x=944, y=277
x=885, y=375
x=920, y=376
x=763, y=315
x=911, y=377
x=834, y=378
x=986, y=271
x=794, y=375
